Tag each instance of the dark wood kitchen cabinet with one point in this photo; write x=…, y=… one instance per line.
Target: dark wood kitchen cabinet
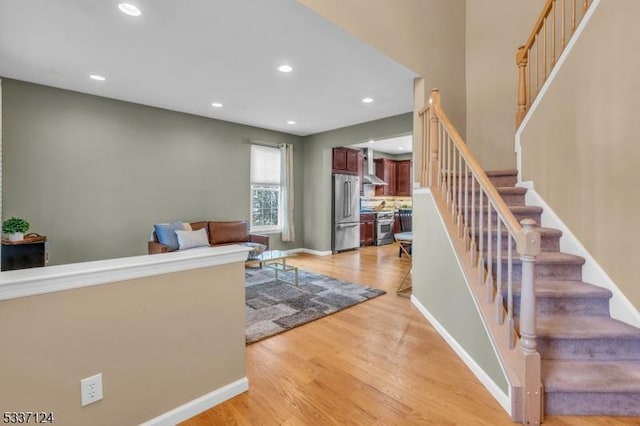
x=386, y=170
x=367, y=229
x=397, y=174
x=345, y=161
x=404, y=178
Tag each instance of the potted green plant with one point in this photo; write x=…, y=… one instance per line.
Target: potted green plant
x=14, y=228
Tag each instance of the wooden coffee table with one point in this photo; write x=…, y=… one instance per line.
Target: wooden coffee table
x=276, y=260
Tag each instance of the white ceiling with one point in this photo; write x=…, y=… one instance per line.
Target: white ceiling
x=396, y=146
x=184, y=55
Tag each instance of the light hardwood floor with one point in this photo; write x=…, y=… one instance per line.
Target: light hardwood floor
x=377, y=363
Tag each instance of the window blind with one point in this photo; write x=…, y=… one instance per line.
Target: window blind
x=265, y=165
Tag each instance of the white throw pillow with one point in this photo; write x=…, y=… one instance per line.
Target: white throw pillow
x=191, y=239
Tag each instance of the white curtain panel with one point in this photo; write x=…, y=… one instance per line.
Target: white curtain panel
x=286, y=194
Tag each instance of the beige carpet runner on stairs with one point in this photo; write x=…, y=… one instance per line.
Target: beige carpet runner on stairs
x=590, y=361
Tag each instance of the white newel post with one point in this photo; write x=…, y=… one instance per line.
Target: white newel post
x=528, y=247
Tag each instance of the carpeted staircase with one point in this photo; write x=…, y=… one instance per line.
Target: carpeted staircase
x=590, y=361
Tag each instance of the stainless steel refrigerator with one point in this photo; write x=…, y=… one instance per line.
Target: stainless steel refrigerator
x=346, y=213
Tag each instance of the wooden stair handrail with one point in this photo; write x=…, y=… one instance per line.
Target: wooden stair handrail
x=537, y=27
x=474, y=165
x=447, y=165
x=542, y=48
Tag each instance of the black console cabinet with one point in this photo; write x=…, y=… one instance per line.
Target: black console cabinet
x=24, y=255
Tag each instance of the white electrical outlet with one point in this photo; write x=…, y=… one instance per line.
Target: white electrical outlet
x=91, y=389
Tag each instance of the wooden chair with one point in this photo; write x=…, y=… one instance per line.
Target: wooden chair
x=405, y=240
x=405, y=236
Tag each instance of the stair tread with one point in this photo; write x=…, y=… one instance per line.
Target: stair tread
x=525, y=209
x=584, y=327
x=554, y=288
x=505, y=189
x=504, y=172
x=489, y=173
x=517, y=209
x=547, y=258
x=548, y=232
x=559, y=257
x=590, y=376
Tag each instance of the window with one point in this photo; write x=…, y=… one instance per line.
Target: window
x=265, y=189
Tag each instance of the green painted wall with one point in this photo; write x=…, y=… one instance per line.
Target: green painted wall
x=439, y=285
x=317, y=171
x=94, y=174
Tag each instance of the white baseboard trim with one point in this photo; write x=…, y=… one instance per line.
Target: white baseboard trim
x=310, y=251
x=495, y=391
x=620, y=306
x=198, y=405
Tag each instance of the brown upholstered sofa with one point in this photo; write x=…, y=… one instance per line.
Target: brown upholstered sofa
x=219, y=233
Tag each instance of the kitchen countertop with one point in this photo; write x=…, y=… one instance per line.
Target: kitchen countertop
x=371, y=211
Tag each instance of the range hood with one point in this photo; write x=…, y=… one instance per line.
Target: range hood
x=370, y=177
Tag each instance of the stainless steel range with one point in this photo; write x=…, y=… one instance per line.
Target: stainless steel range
x=384, y=228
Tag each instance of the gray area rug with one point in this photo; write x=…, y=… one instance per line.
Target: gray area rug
x=274, y=307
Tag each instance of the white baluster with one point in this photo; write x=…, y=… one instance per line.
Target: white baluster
x=449, y=168
x=481, y=237
x=460, y=177
x=511, y=328
x=489, y=278
x=473, y=247
x=454, y=181
x=465, y=230
x=499, y=298
x=442, y=157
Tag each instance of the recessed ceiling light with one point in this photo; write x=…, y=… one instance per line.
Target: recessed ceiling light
x=291, y=122
x=367, y=100
x=285, y=68
x=129, y=9
x=371, y=141
x=400, y=148
x=216, y=105
x=97, y=77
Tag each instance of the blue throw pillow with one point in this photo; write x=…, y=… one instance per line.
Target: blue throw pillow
x=166, y=233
